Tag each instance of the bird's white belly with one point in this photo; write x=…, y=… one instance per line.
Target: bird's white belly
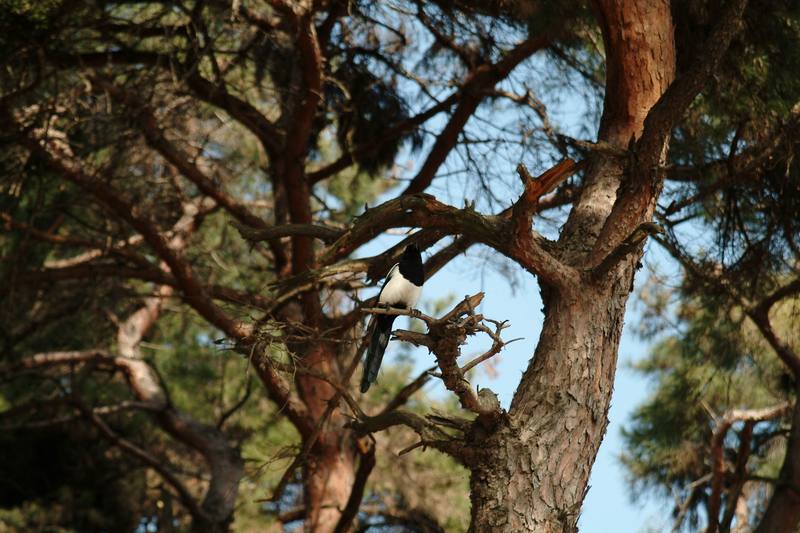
x=398, y=290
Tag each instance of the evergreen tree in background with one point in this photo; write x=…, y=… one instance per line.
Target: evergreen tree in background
x=719, y=433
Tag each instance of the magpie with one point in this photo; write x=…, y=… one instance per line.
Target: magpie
x=400, y=290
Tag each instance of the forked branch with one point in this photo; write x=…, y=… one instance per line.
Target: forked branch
x=425, y=211
x=723, y=425
x=629, y=245
x=444, y=339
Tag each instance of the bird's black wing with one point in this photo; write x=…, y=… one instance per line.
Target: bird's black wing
x=381, y=330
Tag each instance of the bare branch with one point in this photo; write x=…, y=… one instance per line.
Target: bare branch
x=424, y=211
x=475, y=88
x=524, y=241
x=497, y=344
x=377, y=266
x=444, y=338
x=323, y=233
x=428, y=431
x=723, y=424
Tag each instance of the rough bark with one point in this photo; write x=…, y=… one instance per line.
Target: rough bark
x=532, y=472
x=329, y=471
x=534, y=475
x=783, y=511
x=329, y=477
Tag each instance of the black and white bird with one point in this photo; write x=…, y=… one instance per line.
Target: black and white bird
x=400, y=290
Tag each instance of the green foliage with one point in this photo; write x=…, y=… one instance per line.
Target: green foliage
x=741, y=136
x=739, y=207
x=714, y=362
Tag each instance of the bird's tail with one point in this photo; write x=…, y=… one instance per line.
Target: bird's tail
x=377, y=345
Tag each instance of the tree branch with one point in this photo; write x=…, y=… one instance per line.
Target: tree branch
x=474, y=90
x=524, y=241
x=723, y=424
x=444, y=338
x=428, y=431
x=58, y=159
x=424, y=211
x=324, y=233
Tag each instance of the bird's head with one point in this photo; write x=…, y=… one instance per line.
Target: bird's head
x=411, y=265
x=412, y=255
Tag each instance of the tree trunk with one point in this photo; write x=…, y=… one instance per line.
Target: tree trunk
x=329, y=477
x=534, y=474
x=783, y=511
x=329, y=471
x=531, y=473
